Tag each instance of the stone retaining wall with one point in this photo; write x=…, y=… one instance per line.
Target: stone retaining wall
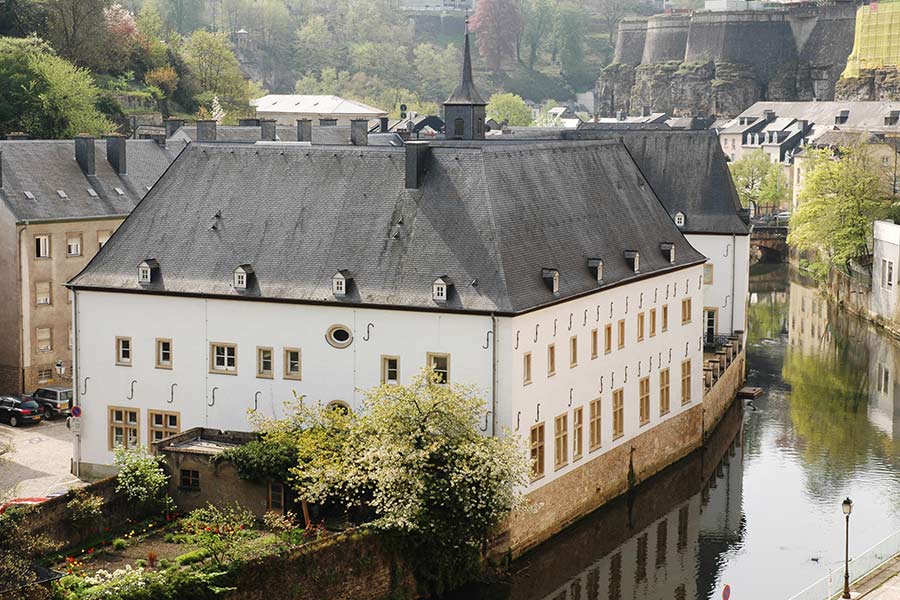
x=611, y=474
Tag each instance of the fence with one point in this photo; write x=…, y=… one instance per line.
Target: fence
x=860, y=566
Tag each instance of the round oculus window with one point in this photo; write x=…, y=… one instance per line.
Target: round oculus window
x=339, y=336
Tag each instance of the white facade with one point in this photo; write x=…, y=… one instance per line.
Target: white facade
x=885, y=261
x=484, y=351
x=725, y=297
x=285, y=109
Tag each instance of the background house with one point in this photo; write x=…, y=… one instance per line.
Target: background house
x=285, y=109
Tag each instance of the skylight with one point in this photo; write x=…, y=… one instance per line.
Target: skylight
x=29, y=195
x=119, y=191
x=61, y=193
x=91, y=193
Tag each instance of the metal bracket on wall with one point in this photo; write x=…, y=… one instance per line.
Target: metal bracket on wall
x=570, y=321
x=172, y=393
x=538, y=417
x=369, y=328
x=517, y=340
x=518, y=419
x=571, y=391
x=487, y=341
x=256, y=400
x=84, y=392
x=486, y=415
x=213, y=397
x=131, y=395
x=536, y=331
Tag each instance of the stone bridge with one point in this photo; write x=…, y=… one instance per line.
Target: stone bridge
x=770, y=242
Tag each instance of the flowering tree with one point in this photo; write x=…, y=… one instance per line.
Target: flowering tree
x=498, y=24
x=141, y=477
x=416, y=458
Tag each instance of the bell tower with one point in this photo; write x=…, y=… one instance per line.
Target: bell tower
x=464, y=110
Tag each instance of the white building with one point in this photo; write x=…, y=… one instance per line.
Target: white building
x=885, y=260
x=548, y=275
x=286, y=109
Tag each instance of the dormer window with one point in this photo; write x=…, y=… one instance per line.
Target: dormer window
x=668, y=250
x=634, y=260
x=242, y=276
x=146, y=270
x=340, y=281
x=551, y=279
x=440, y=289
x=679, y=219
x=596, y=267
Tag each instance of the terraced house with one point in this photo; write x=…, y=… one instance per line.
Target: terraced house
x=60, y=200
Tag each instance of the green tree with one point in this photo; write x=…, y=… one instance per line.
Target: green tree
x=314, y=46
x=77, y=30
x=538, y=19
x=437, y=70
x=841, y=198
x=570, y=35
x=216, y=69
x=750, y=175
x=21, y=17
x=141, y=478
x=45, y=95
x=510, y=108
x=181, y=16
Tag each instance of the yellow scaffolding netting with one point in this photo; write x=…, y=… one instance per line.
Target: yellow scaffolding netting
x=877, y=40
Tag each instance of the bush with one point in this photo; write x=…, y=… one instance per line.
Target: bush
x=190, y=558
x=84, y=508
x=141, y=478
x=220, y=531
x=119, y=544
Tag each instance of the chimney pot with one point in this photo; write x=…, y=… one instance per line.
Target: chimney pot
x=304, y=130
x=384, y=124
x=173, y=125
x=84, y=153
x=116, y=147
x=267, y=131
x=416, y=163
x=359, y=132
x=645, y=111
x=206, y=130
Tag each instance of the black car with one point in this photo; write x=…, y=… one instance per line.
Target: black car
x=16, y=411
x=54, y=400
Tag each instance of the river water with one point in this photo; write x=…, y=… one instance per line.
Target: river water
x=760, y=508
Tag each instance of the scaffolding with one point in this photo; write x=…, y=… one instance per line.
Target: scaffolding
x=877, y=40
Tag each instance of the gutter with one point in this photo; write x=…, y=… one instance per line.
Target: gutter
x=494, y=377
x=733, y=276
x=508, y=313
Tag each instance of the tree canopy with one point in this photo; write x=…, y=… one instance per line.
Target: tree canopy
x=842, y=196
x=759, y=181
x=44, y=94
x=509, y=108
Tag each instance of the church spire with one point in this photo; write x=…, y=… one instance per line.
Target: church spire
x=465, y=92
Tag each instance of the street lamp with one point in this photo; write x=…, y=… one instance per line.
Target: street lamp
x=847, y=507
x=60, y=369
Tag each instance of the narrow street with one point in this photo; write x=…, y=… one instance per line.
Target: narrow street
x=35, y=460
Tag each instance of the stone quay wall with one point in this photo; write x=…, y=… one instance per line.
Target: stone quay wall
x=564, y=501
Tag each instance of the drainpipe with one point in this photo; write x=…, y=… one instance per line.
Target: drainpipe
x=494, y=376
x=77, y=390
x=20, y=307
x=733, y=277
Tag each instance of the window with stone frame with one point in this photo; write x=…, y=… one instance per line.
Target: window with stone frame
x=124, y=427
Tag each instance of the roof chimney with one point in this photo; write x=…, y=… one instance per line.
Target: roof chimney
x=327, y=122
x=620, y=115
x=645, y=111
x=416, y=163
x=384, y=124
x=359, y=132
x=769, y=115
x=206, y=130
x=248, y=122
x=173, y=125
x=84, y=153
x=115, y=153
x=304, y=130
x=267, y=130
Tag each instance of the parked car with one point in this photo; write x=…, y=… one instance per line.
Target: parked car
x=54, y=400
x=21, y=502
x=17, y=410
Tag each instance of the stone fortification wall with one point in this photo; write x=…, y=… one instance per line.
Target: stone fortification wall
x=762, y=40
x=719, y=63
x=667, y=37
x=630, y=41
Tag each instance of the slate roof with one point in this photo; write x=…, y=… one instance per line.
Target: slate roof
x=42, y=167
x=688, y=171
x=862, y=115
x=487, y=216
x=249, y=134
